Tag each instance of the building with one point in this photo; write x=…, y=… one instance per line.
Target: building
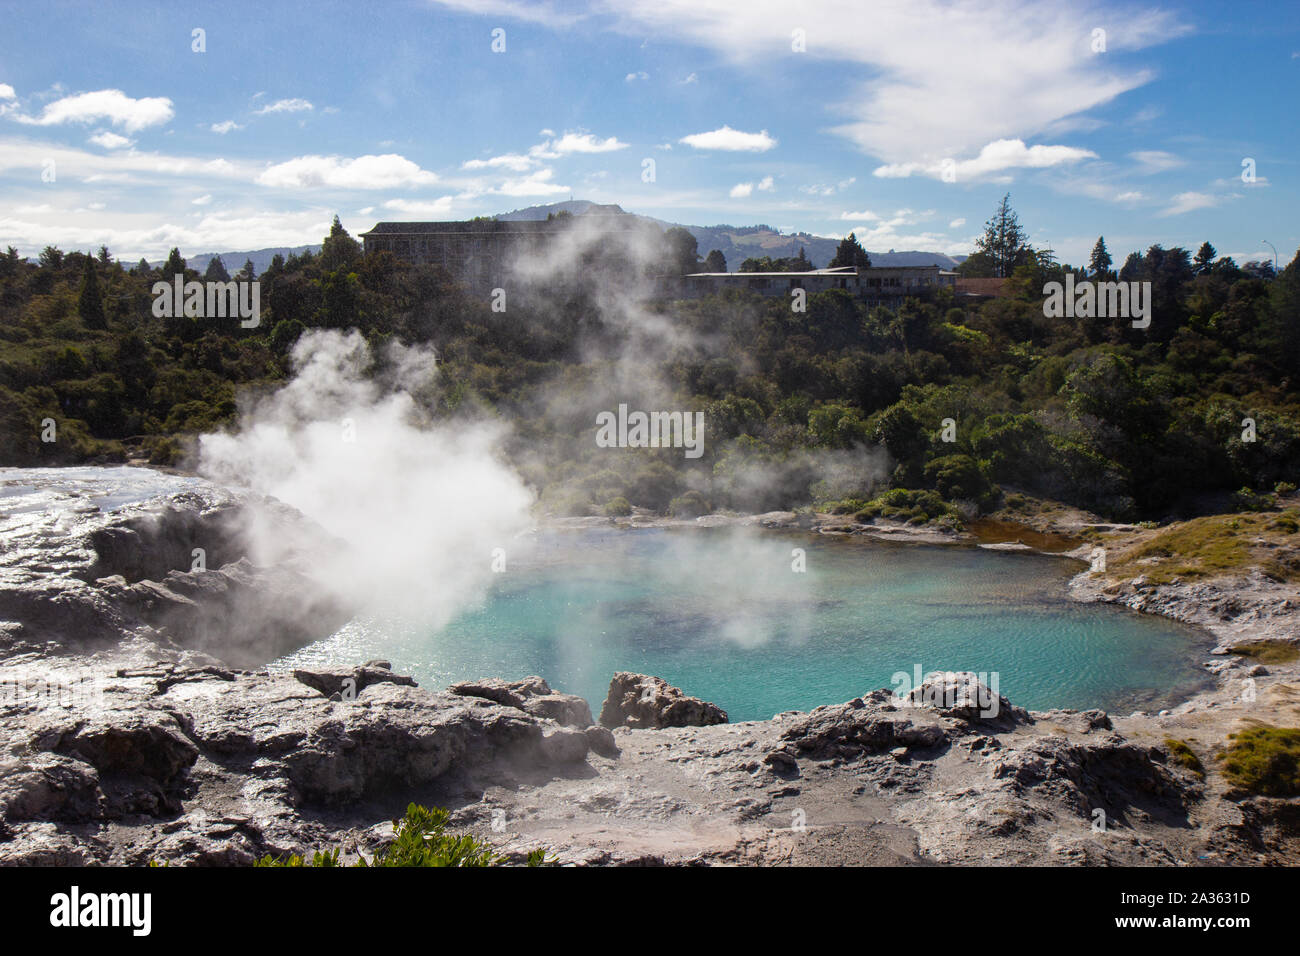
x=481, y=253
x=886, y=284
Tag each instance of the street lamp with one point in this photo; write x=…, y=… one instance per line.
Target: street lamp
x=1274, y=248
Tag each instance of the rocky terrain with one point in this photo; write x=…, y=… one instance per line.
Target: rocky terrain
x=128, y=738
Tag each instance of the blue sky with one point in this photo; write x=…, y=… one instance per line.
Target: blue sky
x=905, y=122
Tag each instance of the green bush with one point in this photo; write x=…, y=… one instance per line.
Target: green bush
x=1184, y=756
x=419, y=839
x=689, y=505
x=618, y=507
x=1264, y=760
x=1248, y=500
x=914, y=507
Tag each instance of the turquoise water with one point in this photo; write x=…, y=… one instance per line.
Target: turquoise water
x=722, y=615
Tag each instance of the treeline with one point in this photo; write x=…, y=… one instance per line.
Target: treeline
x=799, y=406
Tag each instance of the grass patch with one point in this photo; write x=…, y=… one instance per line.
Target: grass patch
x=419, y=839
x=1184, y=756
x=1205, y=547
x=1268, y=652
x=1264, y=760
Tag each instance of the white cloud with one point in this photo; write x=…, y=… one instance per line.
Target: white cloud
x=150, y=233
x=726, y=138
x=691, y=78
x=956, y=223
x=577, y=143
x=1189, y=201
x=534, y=184
x=994, y=158
x=515, y=162
x=113, y=106
x=824, y=189
x=364, y=172
x=295, y=105
x=639, y=75
x=225, y=126
x=202, y=200
x=117, y=165
x=1156, y=160
x=110, y=140
x=866, y=214
x=7, y=92
x=437, y=207
x=741, y=190
x=929, y=78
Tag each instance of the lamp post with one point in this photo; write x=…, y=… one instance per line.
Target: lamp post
x=1274, y=248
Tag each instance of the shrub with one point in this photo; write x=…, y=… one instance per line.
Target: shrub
x=617, y=507
x=1248, y=500
x=419, y=839
x=1264, y=760
x=914, y=507
x=689, y=505
x=1184, y=756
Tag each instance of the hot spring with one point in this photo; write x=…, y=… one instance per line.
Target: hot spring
x=728, y=616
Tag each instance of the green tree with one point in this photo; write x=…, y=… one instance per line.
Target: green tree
x=1004, y=241
x=848, y=253
x=51, y=257
x=339, y=250
x=1204, y=260
x=216, y=271
x=175, y=265
x=1099, y=262
x=682, y=255
x=715, y=261
x=90, y=303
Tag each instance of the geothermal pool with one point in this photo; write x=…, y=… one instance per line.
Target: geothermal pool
x=723, y=615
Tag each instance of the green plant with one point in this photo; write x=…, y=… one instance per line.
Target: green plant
x=1184, y=756
x=420, y=838
x=618, y=507
x=1264, y=760
x=689, y=505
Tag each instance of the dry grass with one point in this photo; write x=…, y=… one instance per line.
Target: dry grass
x=1217, y=544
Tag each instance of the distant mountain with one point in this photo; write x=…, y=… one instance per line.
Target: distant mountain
x=234, y=261
x=737, y=243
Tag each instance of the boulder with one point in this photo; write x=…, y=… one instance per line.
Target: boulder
x=531, y=695
x=962, y=695
x=644, y=702
x=333, y=682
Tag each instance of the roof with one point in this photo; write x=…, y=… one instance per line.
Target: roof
x=841, y=272
x=989, y=287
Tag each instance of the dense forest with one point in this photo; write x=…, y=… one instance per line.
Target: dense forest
x=937, y=410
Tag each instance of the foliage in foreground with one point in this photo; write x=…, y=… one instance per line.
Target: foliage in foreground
x=1264, y=760
x=420, y=839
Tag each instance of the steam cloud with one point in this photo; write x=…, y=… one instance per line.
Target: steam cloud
x=420, y=507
